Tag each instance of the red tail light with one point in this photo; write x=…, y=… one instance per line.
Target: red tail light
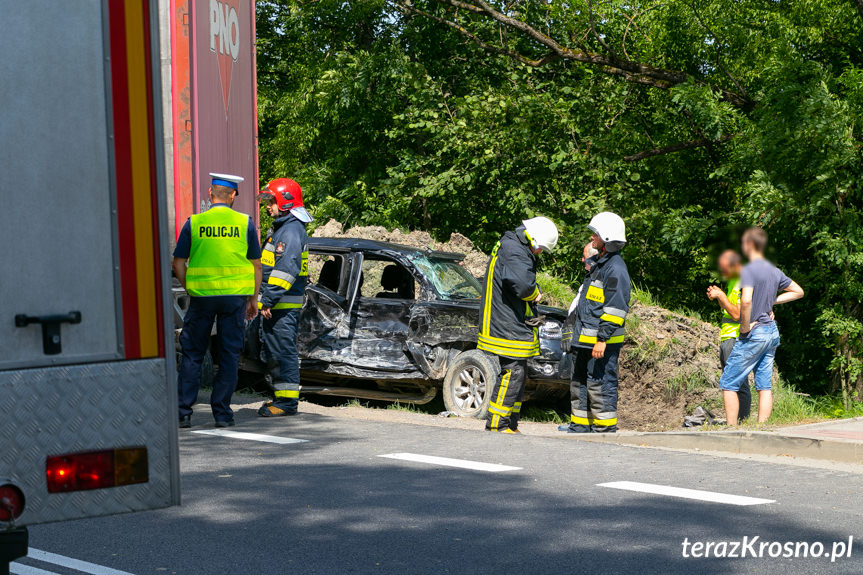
x=96, y=469
x=11, y=502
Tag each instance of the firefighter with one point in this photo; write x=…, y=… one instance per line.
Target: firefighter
x=222, y=250
x=286, y=269
x=508, y=323
x=599, y=327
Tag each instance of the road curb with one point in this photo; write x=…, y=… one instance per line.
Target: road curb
x=741, y=443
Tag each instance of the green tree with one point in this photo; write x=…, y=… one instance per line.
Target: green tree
x=691, y=119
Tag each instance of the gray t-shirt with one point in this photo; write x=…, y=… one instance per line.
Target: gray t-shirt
x=767, y=281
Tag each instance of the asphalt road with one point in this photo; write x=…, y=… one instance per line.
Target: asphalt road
x=332, y=505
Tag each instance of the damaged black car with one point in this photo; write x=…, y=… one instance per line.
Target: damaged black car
x=390, y=322
x=383, y=321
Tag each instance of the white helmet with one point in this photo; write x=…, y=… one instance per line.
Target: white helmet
x=610, y=228
x=542, y=232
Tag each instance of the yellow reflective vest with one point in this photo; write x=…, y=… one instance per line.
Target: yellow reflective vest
x=730, y=328
x=217, y=261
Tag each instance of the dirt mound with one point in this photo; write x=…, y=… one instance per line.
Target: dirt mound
x=475, y=261
x=669, y=365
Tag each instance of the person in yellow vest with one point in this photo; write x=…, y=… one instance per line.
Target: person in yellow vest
x=729, y=301
x=222, y=250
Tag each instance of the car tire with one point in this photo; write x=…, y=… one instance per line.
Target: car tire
x=469, y=382
x=208, y=370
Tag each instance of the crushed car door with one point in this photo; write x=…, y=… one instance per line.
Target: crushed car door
x=380, y=314
x=324, y=318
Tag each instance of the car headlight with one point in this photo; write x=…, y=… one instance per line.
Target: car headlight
x=551, y=330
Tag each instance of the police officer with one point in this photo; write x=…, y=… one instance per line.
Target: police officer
x=599, y=328
x=507, y=326
x=285, y=275
x=222, y=250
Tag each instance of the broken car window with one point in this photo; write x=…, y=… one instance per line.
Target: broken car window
x=448, y=277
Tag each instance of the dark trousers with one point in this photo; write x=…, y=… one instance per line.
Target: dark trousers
x=504, y=408
x=279, y=335
x=744, y=395
x=593, y=391
x=229, y=313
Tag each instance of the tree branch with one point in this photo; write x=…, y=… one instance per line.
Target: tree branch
x=629, y=70
x=661, y=151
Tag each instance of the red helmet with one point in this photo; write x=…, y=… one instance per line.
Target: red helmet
x=288, y=196
x=286, y=192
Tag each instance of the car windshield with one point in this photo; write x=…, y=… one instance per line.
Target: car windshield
x=449, y=277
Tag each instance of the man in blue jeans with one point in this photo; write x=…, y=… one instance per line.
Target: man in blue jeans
x=760, y=282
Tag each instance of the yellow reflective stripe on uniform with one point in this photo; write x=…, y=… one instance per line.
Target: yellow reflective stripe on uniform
x=274, y=281
x=215, y=271
x=288, y=306
x=501, y=394
x=593, y=339
x=516, y=408
x=533, y=295
x=519, y=350
x=489, y=291
x=499, y=410
x=240, y=285
x=283, y=306
x=513, y=343
x=611, y=318
x=289, y=393
x=592, y=421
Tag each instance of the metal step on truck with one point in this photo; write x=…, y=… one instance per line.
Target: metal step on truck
x=88, y=417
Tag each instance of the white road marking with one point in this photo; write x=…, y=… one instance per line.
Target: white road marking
x=19, y=569
x=250, y=436
x=62, y=561
x=711, y=496
x=446, y=461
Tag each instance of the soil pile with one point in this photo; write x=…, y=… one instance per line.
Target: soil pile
x=669, y=365
x=474, y=261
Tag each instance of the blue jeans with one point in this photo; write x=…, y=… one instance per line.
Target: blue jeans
x=229, y=313
x=755, y=352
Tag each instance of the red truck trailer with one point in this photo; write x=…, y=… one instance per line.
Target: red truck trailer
x=208, y=55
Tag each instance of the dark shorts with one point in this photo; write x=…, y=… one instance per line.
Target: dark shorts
x=725, y=347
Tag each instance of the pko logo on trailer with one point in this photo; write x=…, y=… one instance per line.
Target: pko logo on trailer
x=225, y=41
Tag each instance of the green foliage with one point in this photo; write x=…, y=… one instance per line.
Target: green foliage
x=399, y=120
x=554, y=292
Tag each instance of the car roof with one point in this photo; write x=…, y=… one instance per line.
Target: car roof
x=364, y=245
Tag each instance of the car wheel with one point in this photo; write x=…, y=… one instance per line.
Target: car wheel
x=468, y=383
x=208, y=370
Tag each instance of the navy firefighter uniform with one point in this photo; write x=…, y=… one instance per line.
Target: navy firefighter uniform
x=599, y=331
x=285, y=264
x=505, y=327
x=222, y=249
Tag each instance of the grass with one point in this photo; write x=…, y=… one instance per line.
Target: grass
x=684, y=382
x=539, y=414
x=644, y=296
x=556, y=293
